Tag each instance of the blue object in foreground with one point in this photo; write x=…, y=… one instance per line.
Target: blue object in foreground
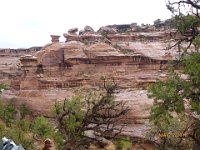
x=8, y=144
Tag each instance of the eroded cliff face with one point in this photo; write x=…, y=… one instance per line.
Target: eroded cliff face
x=78, y=62
x=10, y=66
x=72, y=64
x=133, y=59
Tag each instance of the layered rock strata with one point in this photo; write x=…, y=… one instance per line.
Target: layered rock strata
x=133, y=59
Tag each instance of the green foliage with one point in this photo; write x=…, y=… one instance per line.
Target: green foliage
x=59, y=139
x=3, y=86
x=191, y=88
x=24, y=110
x=169, y=108
x=104, y=34
x=196, y=132
x=81, y=119
x=196, y=42
x=17, y=135
x=86, y=42
x=23, y=124
x=2, y=128
x=170, y=8
x=7, y=112
x=172, y=133
x=16, y=130
x=123, y=143
x=192, y=68
x=74, y=117
x=103, y=77
x=41, y=127
x=1, y=110
x=19, y=130
x=169, y=94
x=157, y=23
x=185, y=23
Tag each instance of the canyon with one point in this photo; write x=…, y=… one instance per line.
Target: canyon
x=131, y=56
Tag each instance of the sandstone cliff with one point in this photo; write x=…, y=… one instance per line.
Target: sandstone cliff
x=133, y=59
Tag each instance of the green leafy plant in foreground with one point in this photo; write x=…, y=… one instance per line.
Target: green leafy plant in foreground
x=123, y=143
x=41, y=127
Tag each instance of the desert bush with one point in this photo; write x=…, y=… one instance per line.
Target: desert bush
x=123, y=143
x=41, y=127
x=24, y=110
x=7, y=112
x=86, y=121
x=24, y=125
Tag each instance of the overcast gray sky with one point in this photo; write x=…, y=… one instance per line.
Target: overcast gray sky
x=26, y=23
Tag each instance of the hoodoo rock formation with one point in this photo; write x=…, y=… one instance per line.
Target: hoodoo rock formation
x=133, y=58
x=75, y=63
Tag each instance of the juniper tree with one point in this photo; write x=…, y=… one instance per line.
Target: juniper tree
x=90, y=121
x=178, y=96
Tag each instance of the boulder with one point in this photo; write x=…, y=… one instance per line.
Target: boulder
x=71, y=37
x=90, y=38
x=88, y=29
x=107, y=30
x=49, y=145
x=55, y=38
x=81, y=32
x=73, y=30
